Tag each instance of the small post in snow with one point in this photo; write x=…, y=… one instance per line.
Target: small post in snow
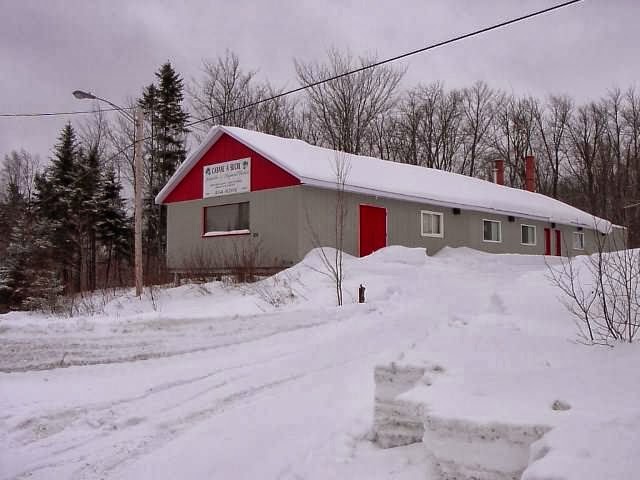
x=361, y=294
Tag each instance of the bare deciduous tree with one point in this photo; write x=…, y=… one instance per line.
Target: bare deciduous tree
x=478, y=107
x=346, y=108
x=275, y=117
x=552, y=124
x=223, y=88
x=586, y=135
x=602, y=291
x=333, y=260
x=512, y=135
x=19, y=170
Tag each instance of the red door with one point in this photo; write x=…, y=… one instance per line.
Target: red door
x=373, y=229
x=558, y=243
x=547, y=241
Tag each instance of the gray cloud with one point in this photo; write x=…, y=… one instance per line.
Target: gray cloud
x=49, y=48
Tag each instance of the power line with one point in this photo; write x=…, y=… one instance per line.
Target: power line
x=335, y=77
x=393, y=59
x=58, y=114
x=320, y=82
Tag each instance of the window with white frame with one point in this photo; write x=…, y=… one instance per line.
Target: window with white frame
x=527, y=234
x=578, y=240
x=227, y=219
x=431, y=224
x=492, y=231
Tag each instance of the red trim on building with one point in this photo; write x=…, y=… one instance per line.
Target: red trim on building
x=372, y=229
x=547, y=241
x=558, y=243
x=264, y=174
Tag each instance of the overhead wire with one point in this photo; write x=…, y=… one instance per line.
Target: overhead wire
x=58, y=114
x=326, y=80
x=341, y=75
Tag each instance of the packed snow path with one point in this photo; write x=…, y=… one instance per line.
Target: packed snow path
x=277, y=395
x=221, y=383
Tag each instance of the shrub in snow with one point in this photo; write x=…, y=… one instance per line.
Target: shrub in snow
x=602, y=292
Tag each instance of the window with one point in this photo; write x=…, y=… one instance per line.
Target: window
x=492, y=231
x=578, y=240
x=226, y=219
x=527, y=234
x=432, y=224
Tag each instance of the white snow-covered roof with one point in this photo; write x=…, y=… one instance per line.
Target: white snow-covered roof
x=316, y=166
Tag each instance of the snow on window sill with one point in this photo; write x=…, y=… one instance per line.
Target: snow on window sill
x=225, y=233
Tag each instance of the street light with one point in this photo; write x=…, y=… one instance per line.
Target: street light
x=138, y=122
x=82, y=95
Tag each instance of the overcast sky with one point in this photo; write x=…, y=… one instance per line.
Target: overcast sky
x=48, y=48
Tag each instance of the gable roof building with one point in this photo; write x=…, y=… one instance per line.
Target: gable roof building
x=287, y=189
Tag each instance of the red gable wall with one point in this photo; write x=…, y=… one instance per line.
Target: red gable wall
x=264, y=174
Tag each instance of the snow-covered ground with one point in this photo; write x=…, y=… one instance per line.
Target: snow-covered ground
x=271, y=381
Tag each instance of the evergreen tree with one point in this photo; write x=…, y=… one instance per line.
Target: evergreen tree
x=54, y=203
x=14, y=256
x=113, y=229
x=10, y=210
x=84, y=216
x=162, y=104
x=27, y=277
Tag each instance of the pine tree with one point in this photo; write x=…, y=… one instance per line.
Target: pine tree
x=84, y=215
x=165, y=151
x=13, y=279
x=12, y=261
x=27, y=277
x=10, y=210
x=113, y=229
x=54, y=204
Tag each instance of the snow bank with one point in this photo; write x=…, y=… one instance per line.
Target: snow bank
x=475, y=355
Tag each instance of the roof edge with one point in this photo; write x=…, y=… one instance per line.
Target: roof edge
x=465, y=206
x=212, y=137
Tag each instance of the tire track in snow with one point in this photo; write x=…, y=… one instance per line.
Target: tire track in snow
x=13, y=351
x=127, y=449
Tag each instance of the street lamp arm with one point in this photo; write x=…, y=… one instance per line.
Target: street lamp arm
x=79, y=94
x=138, y=124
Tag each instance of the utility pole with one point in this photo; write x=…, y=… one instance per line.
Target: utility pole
x=138, y=123
x=137, y=160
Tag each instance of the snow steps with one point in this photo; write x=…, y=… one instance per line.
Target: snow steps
x=397, y=422
x=460, y=449
x=465, y=450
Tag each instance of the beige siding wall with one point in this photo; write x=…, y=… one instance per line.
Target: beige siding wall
x=273, y=223
x=283, y=223
x=404, y=227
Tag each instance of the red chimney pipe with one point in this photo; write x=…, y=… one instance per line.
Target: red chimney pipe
x=530, y=173
x=498, y=172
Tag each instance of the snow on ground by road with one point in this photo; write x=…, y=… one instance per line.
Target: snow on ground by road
x=272, y=381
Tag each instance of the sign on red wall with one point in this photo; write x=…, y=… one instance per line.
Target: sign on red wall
x=226, y=178
x=263, y=174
